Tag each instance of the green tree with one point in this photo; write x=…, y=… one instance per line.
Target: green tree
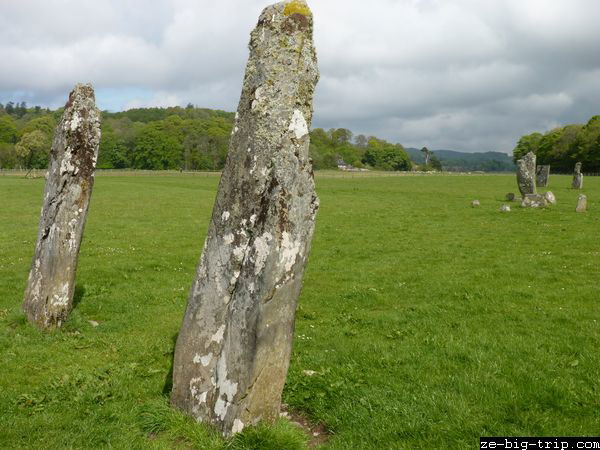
x=528, y=143
x=8, y=129
x=157, y=147
x=46, y=124
x=435, y=163
x=8, y=156
x=33, y=149
x=382, y=155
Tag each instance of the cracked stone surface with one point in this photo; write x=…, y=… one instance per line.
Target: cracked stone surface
x=526, y=174
x=577, y=177
x=50, y=288
x=233, y=350
x=542, y=175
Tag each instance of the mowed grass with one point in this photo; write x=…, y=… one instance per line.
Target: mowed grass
x=428, y=323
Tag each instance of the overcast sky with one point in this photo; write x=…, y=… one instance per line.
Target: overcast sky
x=470, y=75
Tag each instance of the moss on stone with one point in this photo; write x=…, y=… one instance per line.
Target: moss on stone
x=297, y=7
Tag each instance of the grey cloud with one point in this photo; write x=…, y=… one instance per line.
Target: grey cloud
x=465, y=74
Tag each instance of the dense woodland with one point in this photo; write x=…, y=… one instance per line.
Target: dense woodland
x=564, y=146
x=175, y=138
x=193, y=138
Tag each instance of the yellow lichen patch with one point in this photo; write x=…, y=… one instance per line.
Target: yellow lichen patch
x=297, y=7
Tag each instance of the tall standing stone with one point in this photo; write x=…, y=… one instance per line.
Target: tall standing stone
x=542, y=174
x=49, y=293
x=526, y=174
x=577, y=177
x=233, y=350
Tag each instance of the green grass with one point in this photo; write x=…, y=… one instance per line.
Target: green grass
x=429, y=323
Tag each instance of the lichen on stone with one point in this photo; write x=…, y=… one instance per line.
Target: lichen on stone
x=296, y=7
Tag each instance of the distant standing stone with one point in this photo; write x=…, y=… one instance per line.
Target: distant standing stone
x=534, y=201
x=505, y=208
x=50, y=288
x=542, y=174
x=510, y=197
x=475, y=203
x=526, y=174
x=577, y=177
x=581, y=203
x=233, y=350
x=550, y=198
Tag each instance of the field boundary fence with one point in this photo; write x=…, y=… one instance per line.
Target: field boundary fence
x=40, y=173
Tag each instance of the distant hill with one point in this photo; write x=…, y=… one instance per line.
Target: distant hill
x=461, y=161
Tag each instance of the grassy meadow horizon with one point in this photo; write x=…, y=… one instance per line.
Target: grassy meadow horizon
x=427, y=323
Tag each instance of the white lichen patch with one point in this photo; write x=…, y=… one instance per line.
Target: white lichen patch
x=66, y=166
x=239, y=253
x=298, y=124
x=235, y=276
x=289, y=251
x=221, y=408
x=62, y=297
x=226, y=387
x=204, y=360
x=238, y=426
x=251, y=288
x=225, y=216
x=228, y=238
x=252, y=219
x=218, y=336
x=75, y=121
x=261, y=248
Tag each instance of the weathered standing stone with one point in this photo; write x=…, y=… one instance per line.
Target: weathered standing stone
x=510, y=197
x=49, y=294
x=550, y=197
x=542, y=174
x=581, y=203
x=534, y=201
x=233, y=350
x=526, y=174
x=577, y=177
x=475, y=203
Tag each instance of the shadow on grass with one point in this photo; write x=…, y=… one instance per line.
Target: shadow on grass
x=78, y=295
x=168, y=386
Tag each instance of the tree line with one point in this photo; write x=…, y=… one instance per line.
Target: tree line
x=562, y=147
x=187, y=138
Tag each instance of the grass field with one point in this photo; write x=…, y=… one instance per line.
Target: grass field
x=429, y=323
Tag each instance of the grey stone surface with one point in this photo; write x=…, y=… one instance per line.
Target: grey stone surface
x=510, y=197
x=50, y=288
x=581, y=203
x=534, y=201
x=550, y=198
x=577, y=177
x=505, y=208
x=475, y=203
x=233, y=350
x=526, y=174
x=542, y=175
